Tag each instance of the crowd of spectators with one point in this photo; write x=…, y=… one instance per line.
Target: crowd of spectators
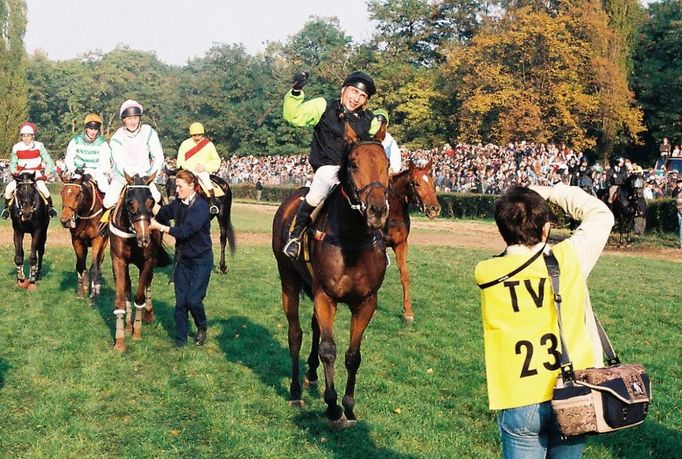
x=462, y=168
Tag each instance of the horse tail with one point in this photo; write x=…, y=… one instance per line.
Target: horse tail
x=227, y=216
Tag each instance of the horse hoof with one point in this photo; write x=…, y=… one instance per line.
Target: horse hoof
x=32, y=287
x=296, y=403
x=137, y=336
x=120, y=347
x=128, y=331
x=408, y=320
x=307, y=384
x=224, y=270
x=340, y=424
x=22, y=283
x=148, y=317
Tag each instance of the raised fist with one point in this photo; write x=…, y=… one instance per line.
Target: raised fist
x=300, y=80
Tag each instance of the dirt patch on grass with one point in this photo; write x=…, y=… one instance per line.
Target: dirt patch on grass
x=439, y=232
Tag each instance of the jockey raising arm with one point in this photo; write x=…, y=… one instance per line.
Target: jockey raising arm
x=135, y=150
x=390, y=145
x=328, y=150
x=198, y=155
x=29, y=155
x=89, y=153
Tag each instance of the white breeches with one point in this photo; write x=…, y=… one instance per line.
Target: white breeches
x=204, y=180
x=12, y=186
x=114, y=192
x=323, y=181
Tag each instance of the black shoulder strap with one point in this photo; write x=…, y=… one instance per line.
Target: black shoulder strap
x=514, y=272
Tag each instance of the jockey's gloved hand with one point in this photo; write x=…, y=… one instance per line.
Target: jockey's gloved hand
x=300, y=80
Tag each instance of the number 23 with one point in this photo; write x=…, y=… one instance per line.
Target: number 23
x=552, y=351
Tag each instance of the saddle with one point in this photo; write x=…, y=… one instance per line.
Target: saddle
x=216, y=182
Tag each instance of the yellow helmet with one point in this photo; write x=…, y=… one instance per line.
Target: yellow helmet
x=196, y=129
x=92, y=118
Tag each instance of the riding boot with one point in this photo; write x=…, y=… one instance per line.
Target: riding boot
x=301, y=222
x=50, y=208
x=5, y=211
x=214, y=208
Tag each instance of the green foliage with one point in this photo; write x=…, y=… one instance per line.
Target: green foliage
x=13, y=89
x=658, y=72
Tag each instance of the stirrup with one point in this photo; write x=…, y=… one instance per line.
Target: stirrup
x=52, y=212
x=213, y=210
x=292, y=248
x=5, y=213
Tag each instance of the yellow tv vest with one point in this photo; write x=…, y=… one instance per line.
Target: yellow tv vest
x=520, y=330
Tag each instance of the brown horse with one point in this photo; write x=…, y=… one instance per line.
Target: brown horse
x=81, y=211
x=132, y=242
x=414, y=185
x=347, y=263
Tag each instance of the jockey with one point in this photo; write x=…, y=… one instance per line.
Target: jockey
x=198, y=155
x=29, y=155
x=89, y=153
x=617, y=177
x=390, y=145
x=328, y=150
x=135, y=149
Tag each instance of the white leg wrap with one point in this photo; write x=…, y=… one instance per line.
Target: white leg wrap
x=119, y=311
x=139, y=306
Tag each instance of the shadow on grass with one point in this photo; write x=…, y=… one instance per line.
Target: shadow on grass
x=253, y=345
x=4, y=367
x=650, y=439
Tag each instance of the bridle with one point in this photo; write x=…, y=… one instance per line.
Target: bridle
x=353, y=196
x=79, y=202
x=35, y=198
x=132, y=217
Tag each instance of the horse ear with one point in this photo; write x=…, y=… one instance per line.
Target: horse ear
x=150, y=179
x=429, y=165
x=349, y=135
x=411, y=165
x=381, y=133
x=63, y=176
x=128, y=178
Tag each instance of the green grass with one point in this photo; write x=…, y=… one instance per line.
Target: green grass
x=421, y=391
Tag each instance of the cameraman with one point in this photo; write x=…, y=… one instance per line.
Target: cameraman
x=521, y=336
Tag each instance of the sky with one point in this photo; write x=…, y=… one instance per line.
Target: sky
x=178, y=30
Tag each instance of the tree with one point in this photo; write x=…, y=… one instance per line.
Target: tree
x=13, y=88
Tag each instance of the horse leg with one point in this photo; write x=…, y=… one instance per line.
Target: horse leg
x=129, y=307
x=96, y=267
x=148, y=316
x=314, y=357
x=19, y=258
x=120, y=269
x=81, y=250
x=401, y=257
x=223, y=243
x=33, y=260
x=359, y=321
x=143, y=286
x=325, y=310
x=290, y=302
x=42, y=240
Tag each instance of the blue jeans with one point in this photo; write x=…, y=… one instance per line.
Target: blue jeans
x=530, y=432
x=191, y=282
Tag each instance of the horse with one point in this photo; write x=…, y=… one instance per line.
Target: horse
x=224, y=215
x=347, y=262
x=81, y=212
x=628, y=207
x=132, y=242
x=29, y=215
x=414, y=185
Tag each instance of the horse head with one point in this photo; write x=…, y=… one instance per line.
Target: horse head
x=170, y=182
x=365, y=178
x=422, y=188
x=27, y=195
x=138, y=203
x=72, y=197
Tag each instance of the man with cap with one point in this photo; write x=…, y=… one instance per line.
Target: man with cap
x=135, y=149
x=390, y=145
x=89, y=153
x=328, y=149
x=29, y=155
x=617, y=176
x=198, y=155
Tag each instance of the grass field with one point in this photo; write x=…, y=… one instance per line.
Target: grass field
x=421, y=389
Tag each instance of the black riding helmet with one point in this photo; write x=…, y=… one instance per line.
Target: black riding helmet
x=362, y=81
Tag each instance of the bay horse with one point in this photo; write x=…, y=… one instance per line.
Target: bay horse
x=29, y=215
x=224, y=215
x=132, y=242
x=628, y=207
x=415, y=185
x=347, y=263
x=81, y=212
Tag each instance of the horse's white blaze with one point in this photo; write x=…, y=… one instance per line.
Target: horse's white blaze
x=425, y=178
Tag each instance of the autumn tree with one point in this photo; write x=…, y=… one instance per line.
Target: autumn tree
x=13, y=88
